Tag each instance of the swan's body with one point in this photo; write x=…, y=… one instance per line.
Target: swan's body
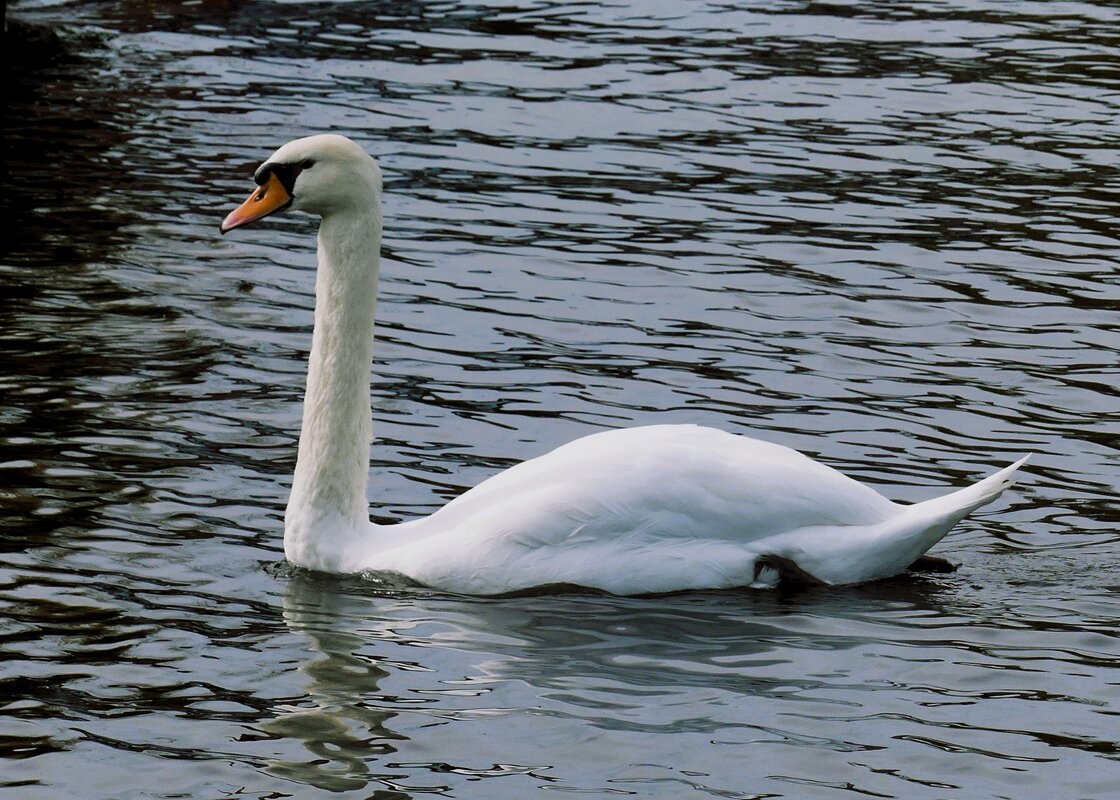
x=648, y=509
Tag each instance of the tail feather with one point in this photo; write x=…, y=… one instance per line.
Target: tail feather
x=893, y=545
x=955, y=506
x=922, y=525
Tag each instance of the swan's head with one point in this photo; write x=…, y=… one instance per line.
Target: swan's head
x=321, y=175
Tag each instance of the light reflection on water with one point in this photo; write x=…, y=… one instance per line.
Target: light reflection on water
x=882, y=234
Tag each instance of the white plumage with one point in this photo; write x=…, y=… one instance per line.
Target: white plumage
x=649, y=509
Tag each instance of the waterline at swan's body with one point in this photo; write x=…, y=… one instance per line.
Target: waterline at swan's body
x=649, y=509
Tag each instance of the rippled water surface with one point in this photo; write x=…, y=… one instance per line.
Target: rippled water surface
x=883, y=233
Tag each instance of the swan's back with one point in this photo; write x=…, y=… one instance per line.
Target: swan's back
x=705, y=473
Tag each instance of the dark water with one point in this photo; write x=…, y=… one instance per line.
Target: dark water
x=882, y=233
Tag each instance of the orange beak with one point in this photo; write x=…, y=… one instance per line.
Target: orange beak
x=264, y=201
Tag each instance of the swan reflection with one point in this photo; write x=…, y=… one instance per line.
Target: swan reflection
x=398, y=681
x=341, y=730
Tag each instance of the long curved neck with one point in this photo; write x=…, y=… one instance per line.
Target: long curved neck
x=328, y=511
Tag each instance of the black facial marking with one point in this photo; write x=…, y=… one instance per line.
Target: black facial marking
x=286, y=173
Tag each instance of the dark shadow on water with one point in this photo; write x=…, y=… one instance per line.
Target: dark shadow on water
x=78, y=346
x=55, y=228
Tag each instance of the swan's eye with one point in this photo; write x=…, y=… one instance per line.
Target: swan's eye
x=307, y=164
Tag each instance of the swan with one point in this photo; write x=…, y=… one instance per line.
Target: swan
x=641, y=510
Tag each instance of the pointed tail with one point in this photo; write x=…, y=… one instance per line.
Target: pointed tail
x=955, y=506
x=835, y=556
x=922, y=525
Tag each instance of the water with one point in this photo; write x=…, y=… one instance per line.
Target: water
x=882, y=233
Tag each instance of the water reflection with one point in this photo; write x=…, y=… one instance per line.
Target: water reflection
x=711, y=677
x=337, y=721
x=391, y=672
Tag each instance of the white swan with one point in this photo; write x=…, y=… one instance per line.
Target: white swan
x=649, y=509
